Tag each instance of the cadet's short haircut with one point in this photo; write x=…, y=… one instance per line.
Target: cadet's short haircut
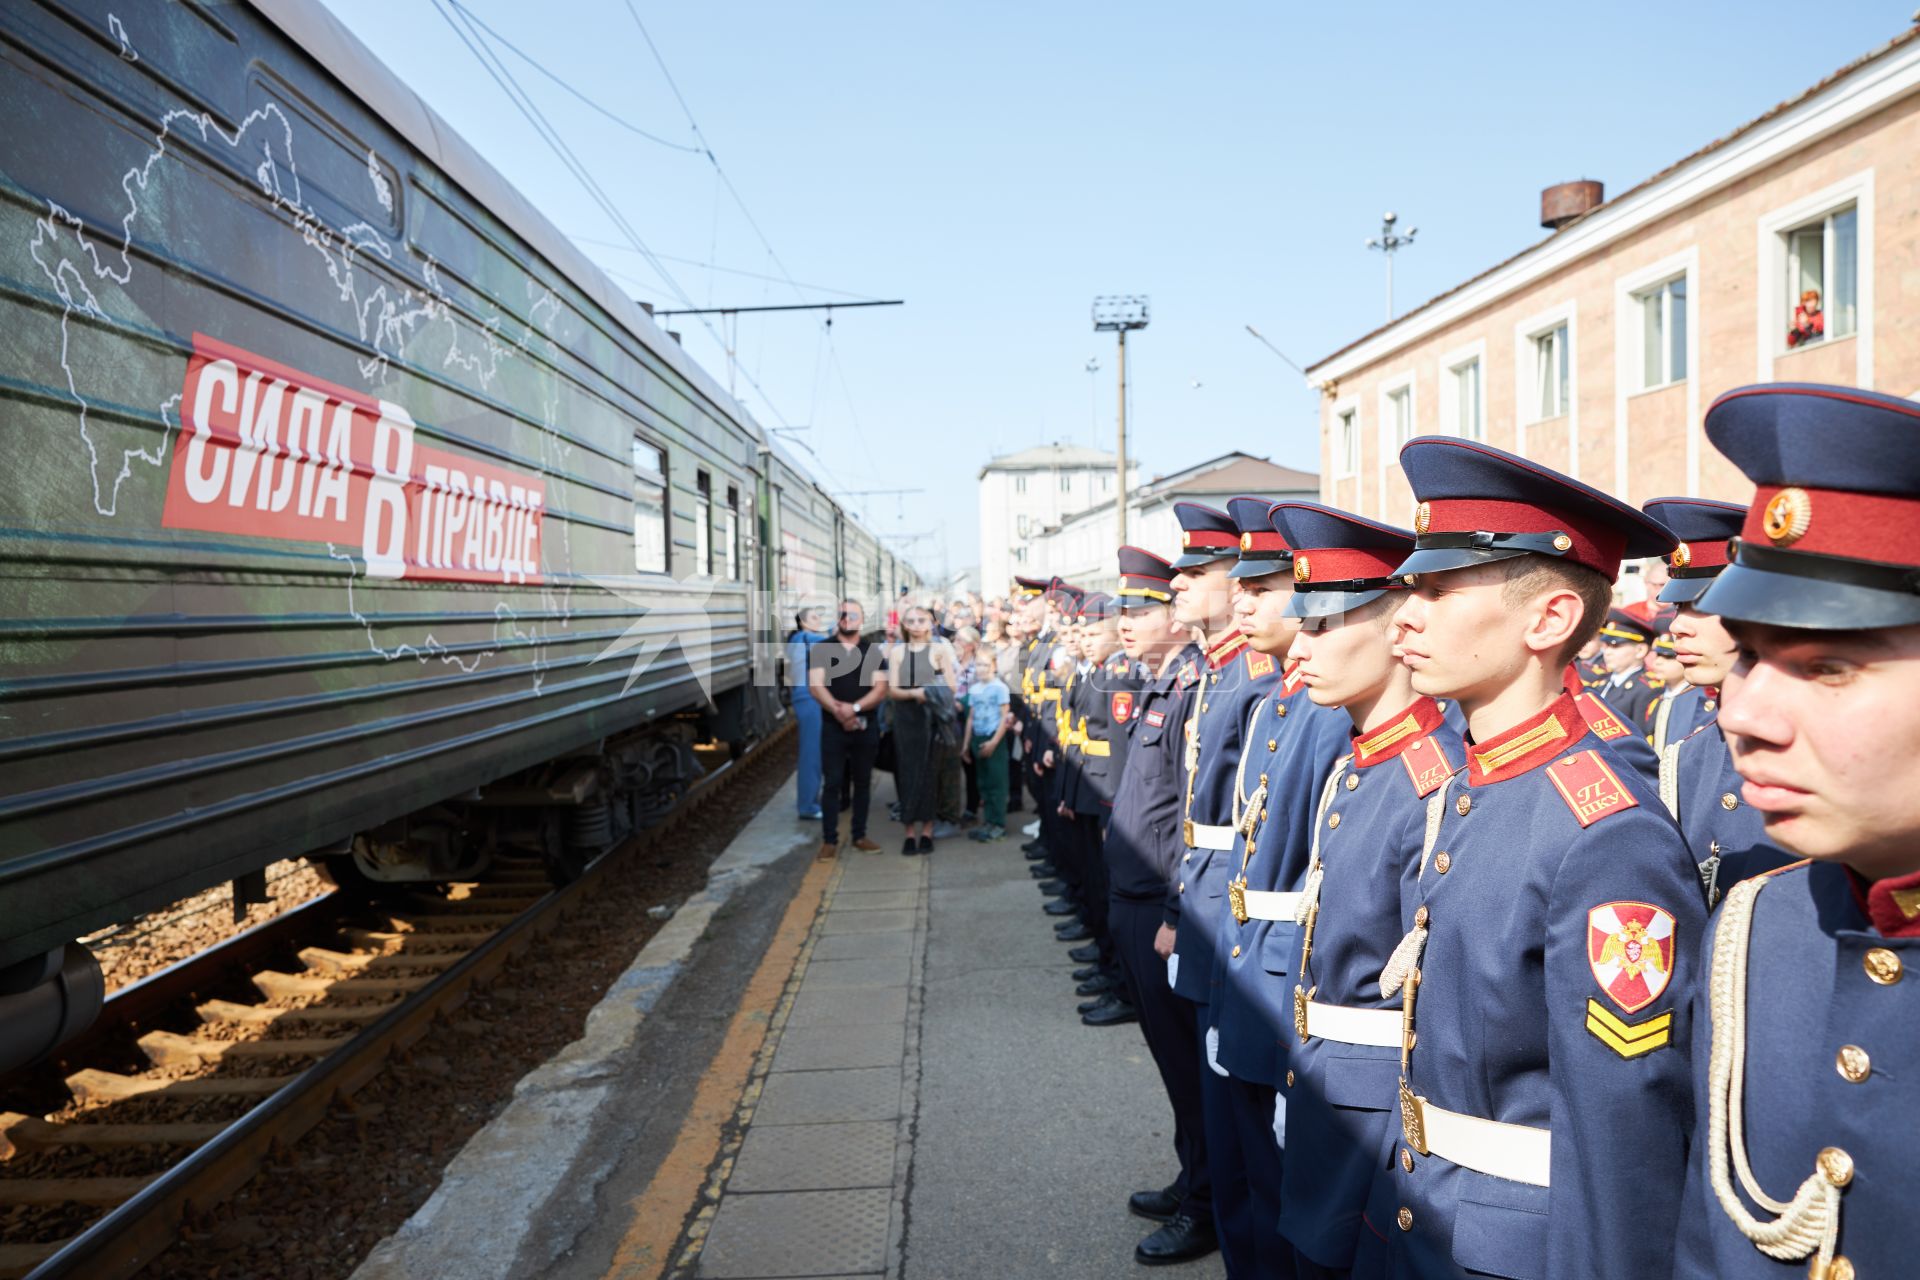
x=1528, y=575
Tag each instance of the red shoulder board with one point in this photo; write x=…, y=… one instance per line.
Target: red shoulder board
x=1589, y=787
x=1122, y=707
x=1259, y=664
x=1600, y=718
x=1427, y=765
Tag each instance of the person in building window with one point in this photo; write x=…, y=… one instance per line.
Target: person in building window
x=1809, y=322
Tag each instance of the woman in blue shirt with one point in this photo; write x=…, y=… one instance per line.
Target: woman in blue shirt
x=808, y=631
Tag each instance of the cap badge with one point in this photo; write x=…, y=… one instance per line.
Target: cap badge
x=1246, y=542
x=1422, y=518
x=1186, y=538
x=1788, y=516
x=1682, y=556
x=1302, y=569
x=1561, y=542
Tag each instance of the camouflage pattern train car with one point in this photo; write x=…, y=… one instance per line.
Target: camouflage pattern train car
x=345, y=503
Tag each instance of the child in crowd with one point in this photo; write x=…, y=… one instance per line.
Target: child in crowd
x=988, y=718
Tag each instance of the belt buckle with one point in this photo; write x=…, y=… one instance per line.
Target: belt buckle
x=1237, y=898
x=1412, y=1125
x=1300, y=1012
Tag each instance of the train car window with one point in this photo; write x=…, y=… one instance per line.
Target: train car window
x=731, y=531
x=649, y=508
x=703, y=523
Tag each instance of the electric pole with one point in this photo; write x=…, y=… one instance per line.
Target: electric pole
x=1118, y=315
x=1390, y=242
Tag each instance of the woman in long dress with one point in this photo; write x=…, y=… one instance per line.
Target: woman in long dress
x=915, y=665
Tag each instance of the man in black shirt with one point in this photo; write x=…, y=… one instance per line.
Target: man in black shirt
x=845, y=677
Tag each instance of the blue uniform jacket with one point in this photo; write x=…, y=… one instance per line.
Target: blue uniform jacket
x=1341, y=1097
x=1728, y=836
x=1632, y=750
x=1632, y=696
x=1144, y=844
x=1671, y=720
x=1564, y=920
x=1291, y=746
x=1235, y=678
x=1820, y=976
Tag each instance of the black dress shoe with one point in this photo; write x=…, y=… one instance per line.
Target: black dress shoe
x=1043, y=871
x=1061, y=907
x=1084, y=955
x=1154, y=1206
x=1098, y=985
x=1053, y=888
x=1035, y=845
x=1181, y=1240
x=1086, y=1007
x=1072, y=931
x=1110, y=1013
x=1086, y=971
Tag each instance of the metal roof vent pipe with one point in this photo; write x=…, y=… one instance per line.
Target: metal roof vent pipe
x=1569, y=201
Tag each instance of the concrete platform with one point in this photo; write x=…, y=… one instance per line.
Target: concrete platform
x=864, y=1067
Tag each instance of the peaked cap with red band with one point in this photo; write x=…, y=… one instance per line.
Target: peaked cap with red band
x=1262, y=550
x=1206, y=535
x=1831, y=540
x=1479, y=504
x=1145, y=579
x=1340, y=561
x=1704, y=528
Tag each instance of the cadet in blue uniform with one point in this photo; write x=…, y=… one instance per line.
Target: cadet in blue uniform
x=1697, y=782
x=1629, y=690
x=1803, y=1163
x=1287, y=750
x=1142, y=850
x=1367, y=829
x=1555, y=918
x=1681, y=707
x=1103, y=708
x=1232, y=679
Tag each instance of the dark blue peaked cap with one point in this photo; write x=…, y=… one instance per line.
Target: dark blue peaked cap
x=1206, y=535
x=1145, y=579
x=1479, y=504
x=1831, y=540
x=1340, y=561
x=1703, y=527
x=1262, y=549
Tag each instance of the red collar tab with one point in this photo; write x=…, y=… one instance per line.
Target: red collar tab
x=1227, y=650
x=1591, y=543
x=1526, y=746
x=1345, y=564
x=1836, y=522
x=1405, y=729
x=1290, y=681
x=1892, y=905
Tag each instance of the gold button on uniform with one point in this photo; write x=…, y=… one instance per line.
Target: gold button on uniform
x=1406, y=1159
x=1420, y=918
x=1404, y=1218
x=1273, y=744
x=1882, y=965
x=1236, y=953
x=1289, y=1079
x=1281, y=709
x=1853, y=1063
x=1353, y=780
x=1183, y=886
x=1729, y=801
x=1835, y=1165
x=1441, y=861
x=1838, y=1269
x=1461, y=806
x=1188, y=858
x=1333, y=821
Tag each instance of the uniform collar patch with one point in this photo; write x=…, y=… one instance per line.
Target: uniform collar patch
x=1528, y=745
x=1420, y=719
x=1227, y=650
x=1630, y=950
x=1892, y=905
x=1290, y=681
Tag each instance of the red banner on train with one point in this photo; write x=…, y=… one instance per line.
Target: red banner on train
x=268, y=452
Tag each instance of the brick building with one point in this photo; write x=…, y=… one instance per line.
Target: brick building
x=1787, y=251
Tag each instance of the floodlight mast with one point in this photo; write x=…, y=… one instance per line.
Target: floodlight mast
x=1118, y=314
x=1390, y=242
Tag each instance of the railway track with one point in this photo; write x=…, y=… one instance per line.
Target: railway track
x=108, y=1183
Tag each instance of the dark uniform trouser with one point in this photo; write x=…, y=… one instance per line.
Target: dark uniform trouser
x=1057, y=832
x=1171, y=1031
x=1268, y=1254
x=1093, y=867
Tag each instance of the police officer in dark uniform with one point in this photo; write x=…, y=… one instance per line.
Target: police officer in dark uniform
x=1697, y=779
x=1550, y=953
x=1036, y=650
x=1629, y=690
x=1806, y=1069
x=1340, y=1090
x=1287, y=749
x=1143, y=850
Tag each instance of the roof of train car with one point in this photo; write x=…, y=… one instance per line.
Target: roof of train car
x=315, y=29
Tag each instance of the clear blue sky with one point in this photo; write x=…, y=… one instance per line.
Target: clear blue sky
x=999, y=164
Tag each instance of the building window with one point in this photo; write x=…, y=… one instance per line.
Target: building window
x=1823, y=278
x=730, y=532
x=1066, y=483
x=1469, y=405
x=1106, y=484
x=649, y=508
x=1020, y=555
x=1019, y=484
x=1663, y=333
x=1346, y=442
x=1400, y=417
x=1023, y=524
x=1552, y=372
x=703, y=523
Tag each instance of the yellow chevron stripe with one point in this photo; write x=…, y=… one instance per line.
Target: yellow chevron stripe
x=1629, y=1040
x=1625, y=1029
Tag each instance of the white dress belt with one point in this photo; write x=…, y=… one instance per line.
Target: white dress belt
x=1262, y=905
x=1205, y=837
x=1516, y=1152
x=1379, y=1028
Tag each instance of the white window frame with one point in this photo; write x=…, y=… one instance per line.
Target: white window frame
x=1339, y=467
x=1771, y=265
x=1451, y=363
x=1526, y=390
x=1020, y=483
x=1390, y=389
x=1627, y=357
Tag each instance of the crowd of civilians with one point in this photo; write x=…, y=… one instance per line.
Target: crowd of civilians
x=930, y=703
